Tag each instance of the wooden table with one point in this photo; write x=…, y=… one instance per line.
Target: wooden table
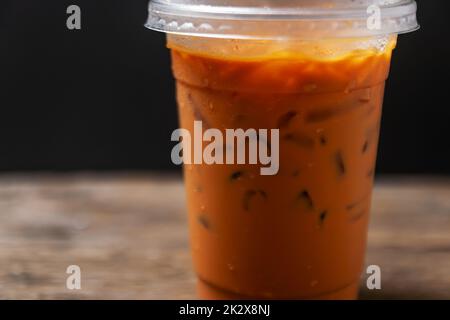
x=128, y=234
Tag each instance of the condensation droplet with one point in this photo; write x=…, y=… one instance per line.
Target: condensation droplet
x=267, y=294
x=351, y=86
x=310, y=87
x=314, y=283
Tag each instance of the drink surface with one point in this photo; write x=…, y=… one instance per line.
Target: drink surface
x=302, y=232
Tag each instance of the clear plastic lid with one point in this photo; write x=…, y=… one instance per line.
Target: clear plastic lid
x=279, y=19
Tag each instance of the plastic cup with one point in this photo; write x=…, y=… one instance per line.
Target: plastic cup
x=315, y=70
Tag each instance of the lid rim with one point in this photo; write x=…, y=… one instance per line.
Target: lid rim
x=265, y=23
x=220, y=12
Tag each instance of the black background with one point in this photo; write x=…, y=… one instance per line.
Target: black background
x=102, y=98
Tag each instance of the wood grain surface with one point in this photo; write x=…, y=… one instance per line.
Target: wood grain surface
x=128, y=234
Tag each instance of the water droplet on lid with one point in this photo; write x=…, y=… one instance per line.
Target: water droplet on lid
x=173, y=25
x=187, y=26
x=81, y=225
x=205, y=26
x=225, y=27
